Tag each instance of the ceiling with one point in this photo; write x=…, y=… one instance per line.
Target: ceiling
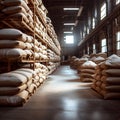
x=59, y=16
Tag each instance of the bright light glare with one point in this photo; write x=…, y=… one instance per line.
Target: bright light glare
x=69, y=39
x=68, y=32
x=69, y=23
x=71, y=9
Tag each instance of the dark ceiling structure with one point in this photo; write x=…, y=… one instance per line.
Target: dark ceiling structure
x=59, y=16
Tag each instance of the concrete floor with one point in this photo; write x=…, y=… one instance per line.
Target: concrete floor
x=63, y=97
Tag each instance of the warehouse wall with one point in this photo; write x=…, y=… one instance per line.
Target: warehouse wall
x=105, y=28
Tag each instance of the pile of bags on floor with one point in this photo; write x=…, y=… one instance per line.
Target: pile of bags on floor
x=75, y=62
x=81, y=61
x=108, y=78
x=104, y=72
x=87, y=71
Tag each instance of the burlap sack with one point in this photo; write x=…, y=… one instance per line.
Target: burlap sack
x=111, y=62
x=111, y=80
x=88, y=65
x=12, y=44
x=28, y=46
x=12, y=53
x=83, y=79
x=104, y=55
x=112, y=95
x=15, y=3
x=12, y=34
x=99, y=60
x=16, y=100
x=111, y=72
x=29, y=82
x=8, y=91
x=88, y=71
x=31, y=89
x=12, y=79
x=98, y=89
x=110, y=88
x=86, y=75
x=25, y=72
x=98, y=83
x=14, y=10
x=19, y=17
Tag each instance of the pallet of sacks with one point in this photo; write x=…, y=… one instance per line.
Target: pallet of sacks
x=14, y=87
x=72, y=59
x=107, y=78
x=80, y=62
x=87, y=71
x=97, y=79
x=14, y=44
x=110, y=87
x=17, y=11
x=98, y=59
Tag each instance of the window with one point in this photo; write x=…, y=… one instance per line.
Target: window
x=69, y=39
x=103, y=45
x=94, y=48
x=118, y=40
x=88, y=50
x=93, y=23
x=103, y=11
x=117, y=2
x=88, y=30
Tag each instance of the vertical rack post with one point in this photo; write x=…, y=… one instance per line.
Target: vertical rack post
x=34, y=5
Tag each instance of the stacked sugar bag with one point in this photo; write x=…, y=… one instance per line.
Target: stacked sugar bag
x=72, y=61
x=40, y=74
x=52, y=56
x=98, y=59
x=97, y=82
x=42, y=71
x=97, y=79
x=81, y=61
x=15, y=44
x=42, y=52
x=87, y=71
x=17, y=10
x=110, y=87
x=104, y=55
x=52, y=67
x=75, y=63
x=41, y=9
x=14, y=87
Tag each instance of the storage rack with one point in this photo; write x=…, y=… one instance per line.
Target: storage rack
x=51, y=41
x=47, y=36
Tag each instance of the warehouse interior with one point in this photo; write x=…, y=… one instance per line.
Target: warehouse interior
x=60, y=59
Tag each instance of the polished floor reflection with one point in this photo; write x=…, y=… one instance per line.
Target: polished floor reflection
x=64, y=97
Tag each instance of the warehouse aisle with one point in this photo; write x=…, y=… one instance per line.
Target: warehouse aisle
x=64, y=97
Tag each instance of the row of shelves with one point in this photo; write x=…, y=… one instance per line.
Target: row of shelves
x=16, y=22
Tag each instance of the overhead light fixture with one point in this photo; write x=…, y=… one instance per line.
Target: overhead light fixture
x=69, y=23
x=70, y=9
x=68, y=32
